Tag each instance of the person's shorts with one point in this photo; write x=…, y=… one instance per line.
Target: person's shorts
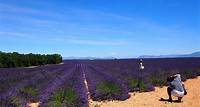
x=177, y=93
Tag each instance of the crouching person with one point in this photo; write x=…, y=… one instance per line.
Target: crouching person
x=176, y=87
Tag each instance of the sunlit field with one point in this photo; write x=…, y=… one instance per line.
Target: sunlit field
x=106, y=80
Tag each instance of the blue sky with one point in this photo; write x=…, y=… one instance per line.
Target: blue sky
x=100, y=28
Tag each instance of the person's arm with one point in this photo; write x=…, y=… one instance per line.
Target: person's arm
x=171, y=85
x=183, y=85
x=185, y=92
x=175, y=76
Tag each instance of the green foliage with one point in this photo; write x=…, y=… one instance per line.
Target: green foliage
x=29, y=91
x=157, y=81
x=1, y=65
x=136, y=83
x=66, y=96
x=142, y=86
x=108, y=88
x=188, y=73
x=159, y=78
x=16, y=101
x=8, y=60
x=54, y=104
x=133, y=83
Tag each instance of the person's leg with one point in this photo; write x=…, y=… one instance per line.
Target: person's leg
x=169, y=93
x=179, y=99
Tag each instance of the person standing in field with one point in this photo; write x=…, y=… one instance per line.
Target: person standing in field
x=141, y=65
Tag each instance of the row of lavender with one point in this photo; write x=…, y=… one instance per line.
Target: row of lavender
x=66, y=91
x=57, y=85
x=103, y=86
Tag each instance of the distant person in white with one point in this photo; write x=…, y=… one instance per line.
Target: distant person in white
x=141, y=65
x=176, y=87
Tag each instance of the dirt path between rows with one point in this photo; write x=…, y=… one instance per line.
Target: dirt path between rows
x=151, y=99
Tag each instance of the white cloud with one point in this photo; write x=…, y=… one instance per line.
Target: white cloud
x=99, y=14
x=13, y=34
x=69, y=13
x=63, y=40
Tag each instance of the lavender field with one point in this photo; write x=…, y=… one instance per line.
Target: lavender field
x=63, y=85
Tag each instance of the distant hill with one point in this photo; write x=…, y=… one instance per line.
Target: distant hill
x=195, y=54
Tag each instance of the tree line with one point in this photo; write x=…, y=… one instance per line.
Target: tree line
x=8, y=60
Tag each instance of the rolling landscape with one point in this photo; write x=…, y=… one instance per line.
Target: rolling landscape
x=99, y=53
x=72, y=83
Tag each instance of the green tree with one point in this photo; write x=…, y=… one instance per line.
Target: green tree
x=23, y=60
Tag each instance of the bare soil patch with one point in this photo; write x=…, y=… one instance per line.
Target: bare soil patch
x=151, y=99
